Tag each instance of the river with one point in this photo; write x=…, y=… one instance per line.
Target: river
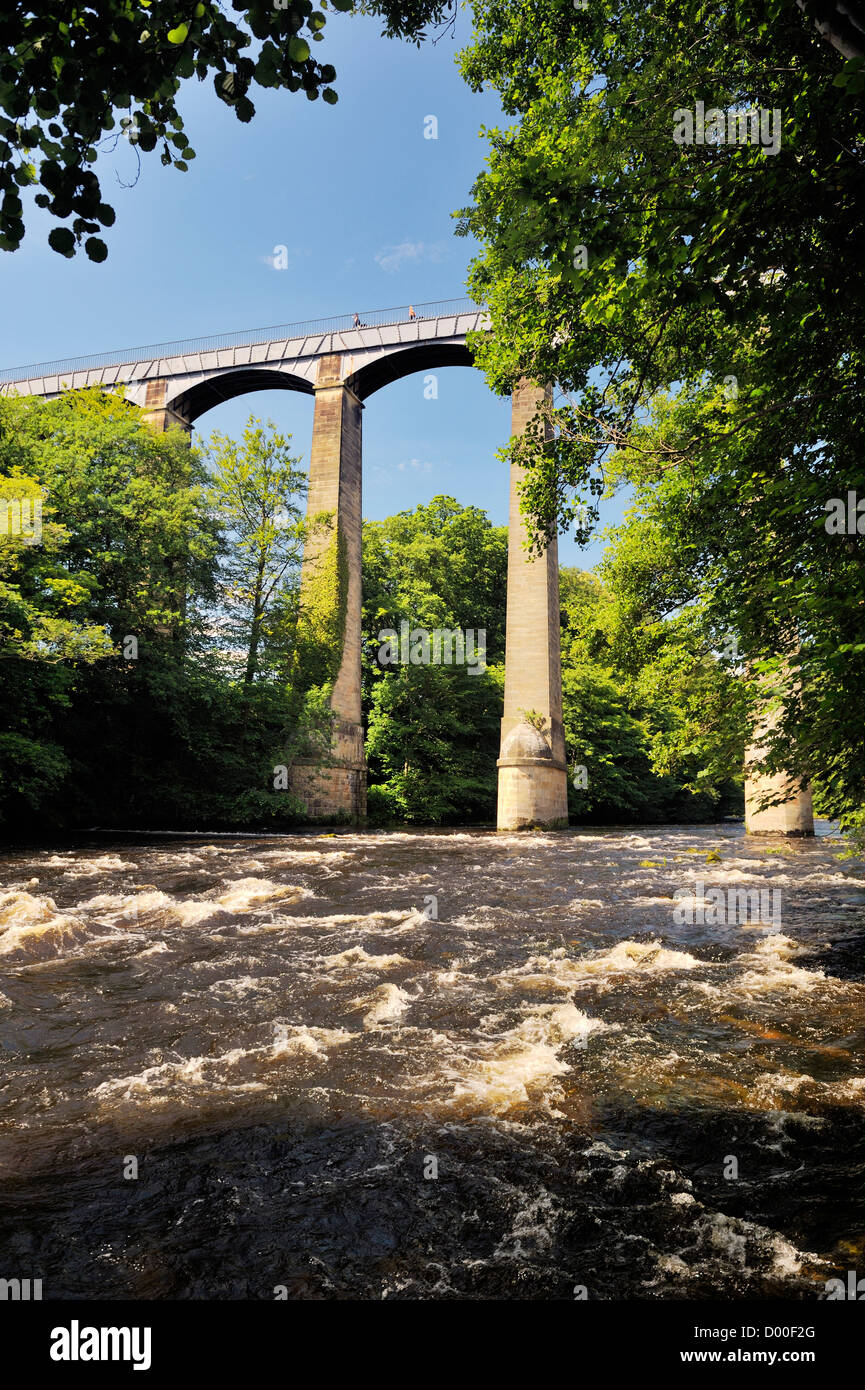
x=432, y=1065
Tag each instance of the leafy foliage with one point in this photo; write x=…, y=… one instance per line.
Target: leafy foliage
x=186, y=727
x=719, y=274
x=257, y=494
x=649, y=711
x=433, y=743
x=748, y=562
x=123, y=703
x=433, y=731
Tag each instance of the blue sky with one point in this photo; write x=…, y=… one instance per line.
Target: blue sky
x=363, y=203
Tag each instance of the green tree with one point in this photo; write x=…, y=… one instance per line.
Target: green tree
x=120, y=581
x=433, y=731
x=649, y=710
x=113, y=556
x=432, y=744
x=748, y=563
x=256, y=492
x=440, y=565
x=626, y=266
x=44, y=627
x=122, y=701
x=42, y=604
x=703, y=263
x=71, y=75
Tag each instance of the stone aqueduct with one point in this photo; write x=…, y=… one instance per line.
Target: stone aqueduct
x=341, y=365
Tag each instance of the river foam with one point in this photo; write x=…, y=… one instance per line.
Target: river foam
x=291, y=1038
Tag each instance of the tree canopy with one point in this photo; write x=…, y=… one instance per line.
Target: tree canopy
x=127, y=628
x=633, y=265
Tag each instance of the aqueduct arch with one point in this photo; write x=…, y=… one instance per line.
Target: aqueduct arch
x=191, y=402
x=341, y=364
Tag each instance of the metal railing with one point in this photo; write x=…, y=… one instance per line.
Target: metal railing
x=155, y=352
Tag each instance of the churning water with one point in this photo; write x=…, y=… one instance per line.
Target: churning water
x=428, y=1065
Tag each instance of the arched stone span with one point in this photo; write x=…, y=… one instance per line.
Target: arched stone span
x=193, y=401
x=381, y=371
x=177, y=382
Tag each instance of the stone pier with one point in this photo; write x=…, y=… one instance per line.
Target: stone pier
x=792, y=816
x=332, y=573
x=533, y=788
x=793, y=813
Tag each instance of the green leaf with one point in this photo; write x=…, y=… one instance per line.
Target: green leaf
x=96, y=249
x=298, y=50
x=179, y=34
x=60, y=239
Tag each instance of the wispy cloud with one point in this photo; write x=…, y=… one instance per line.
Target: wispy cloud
x=383, y=471
x=393, y=258
x=416, y=464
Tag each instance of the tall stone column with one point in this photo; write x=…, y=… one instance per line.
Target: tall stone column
x=793, y=815
x=533, y=788
x=332, y=566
